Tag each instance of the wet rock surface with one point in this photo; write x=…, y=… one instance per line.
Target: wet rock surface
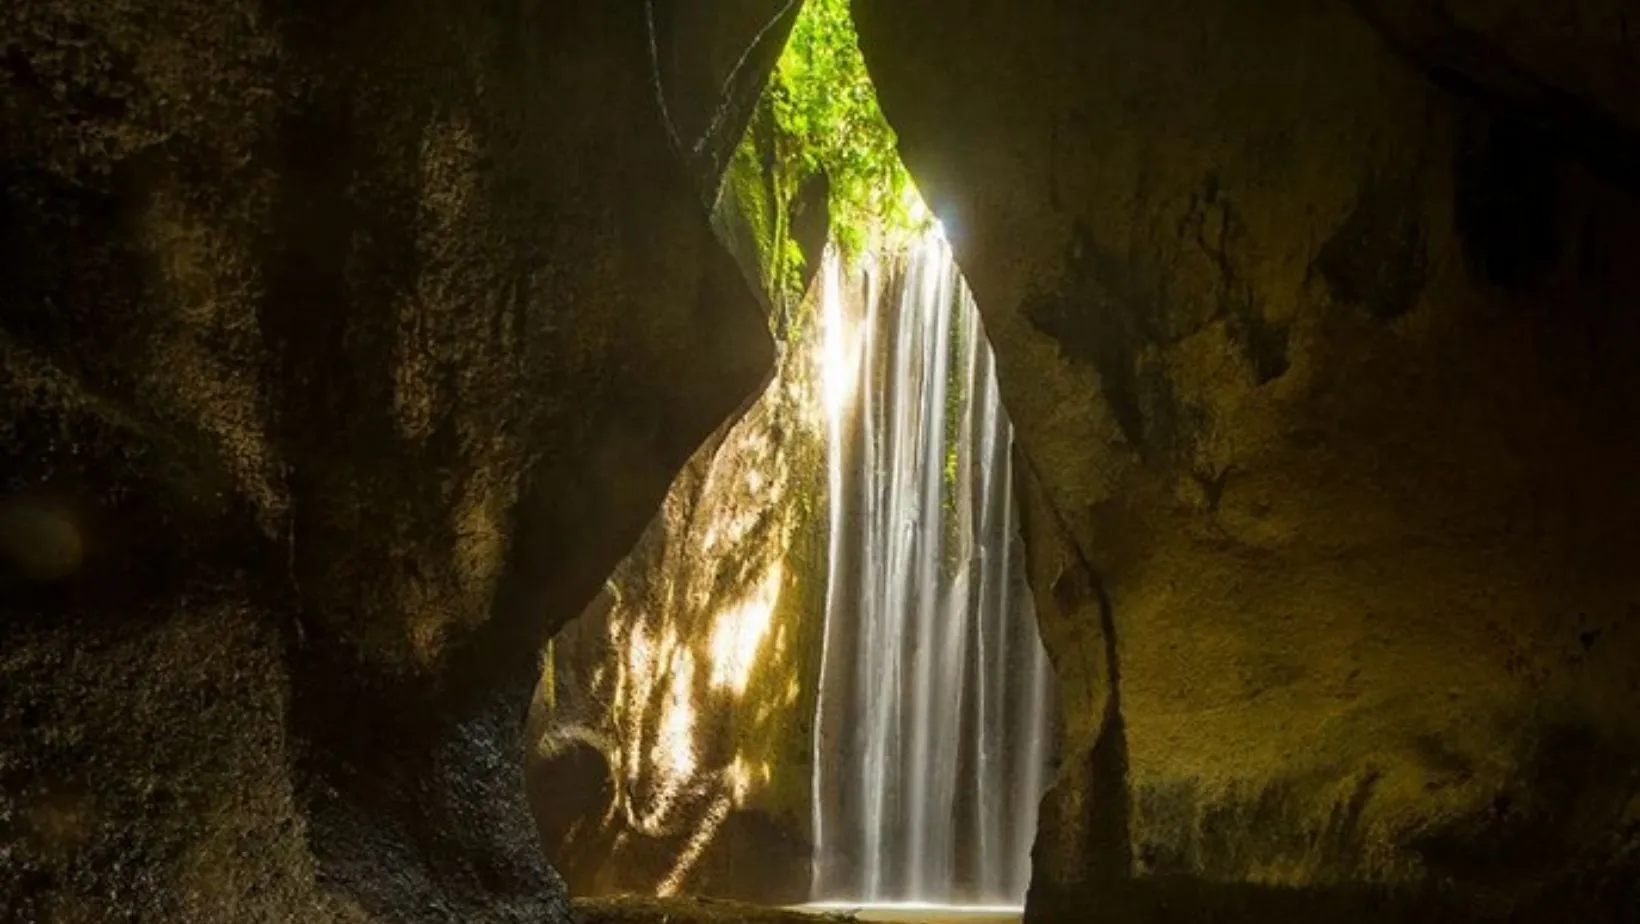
x=343, y=352
x=1314, y=329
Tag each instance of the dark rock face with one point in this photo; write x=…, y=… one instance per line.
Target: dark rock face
x=1317, y=332
x=346, y=348
x=712, y=60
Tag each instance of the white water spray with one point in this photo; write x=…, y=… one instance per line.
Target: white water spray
x=931, y=736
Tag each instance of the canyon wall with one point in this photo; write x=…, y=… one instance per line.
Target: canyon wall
x=346, y=350
x=1318, y=324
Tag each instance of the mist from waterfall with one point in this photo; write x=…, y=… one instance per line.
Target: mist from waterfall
x=932, y=728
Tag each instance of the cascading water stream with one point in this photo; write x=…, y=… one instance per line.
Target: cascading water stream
x=932, y=730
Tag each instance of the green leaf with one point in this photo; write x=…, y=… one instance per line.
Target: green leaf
x=826, y=109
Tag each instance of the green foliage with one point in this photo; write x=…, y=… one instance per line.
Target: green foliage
x=753, y=217
x=826, y=112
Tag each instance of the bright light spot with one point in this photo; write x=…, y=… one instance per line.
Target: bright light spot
x=634, y=686
x=638, y=653
x=915, y=208
x=839, y=342
x=740, y=781
x=674, y=752
x=933, y=246
x=739, y=632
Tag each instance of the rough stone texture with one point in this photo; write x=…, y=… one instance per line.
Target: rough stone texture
x=679, y=705
x=712, y=60
x=764, y=212
x=1318, y=324
x=344, y=349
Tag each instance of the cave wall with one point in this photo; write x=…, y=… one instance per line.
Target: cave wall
x=677, y=707
x=711, y=61
x=1318, y=329
x=346, y=349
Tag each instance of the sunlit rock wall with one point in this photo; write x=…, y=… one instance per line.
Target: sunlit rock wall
x=1318, y=323
x=678, y=708
x=344, y=350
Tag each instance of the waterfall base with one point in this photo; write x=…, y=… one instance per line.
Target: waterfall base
x=633, y=910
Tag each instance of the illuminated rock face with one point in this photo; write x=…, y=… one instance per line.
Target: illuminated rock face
x=1318, y=331
x=344, y=349
x=684, y=693
x=670, y=734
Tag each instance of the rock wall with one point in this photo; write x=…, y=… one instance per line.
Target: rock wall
x=711, y=61
x=1318, y=327
x=678, y=706
x=346, y=348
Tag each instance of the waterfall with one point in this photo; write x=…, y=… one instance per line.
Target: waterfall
x=931, y=733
